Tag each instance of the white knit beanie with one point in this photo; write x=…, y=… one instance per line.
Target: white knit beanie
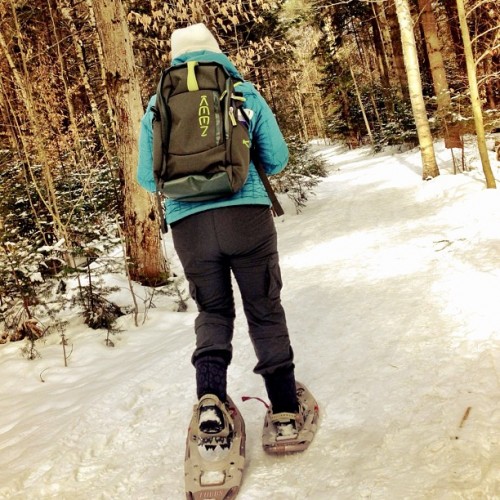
x=192, y=38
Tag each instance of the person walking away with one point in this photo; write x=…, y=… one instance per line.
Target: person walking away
x=232, y=234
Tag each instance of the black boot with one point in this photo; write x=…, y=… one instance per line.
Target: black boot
x=282, y=390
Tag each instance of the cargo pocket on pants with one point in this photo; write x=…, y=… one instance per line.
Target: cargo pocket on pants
x=192, y=290
x=274, y=278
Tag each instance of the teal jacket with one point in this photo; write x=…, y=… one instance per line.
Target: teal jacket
x=264, y=131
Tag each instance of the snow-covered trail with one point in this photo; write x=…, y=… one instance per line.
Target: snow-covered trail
x=390, y=287
x=402, y=282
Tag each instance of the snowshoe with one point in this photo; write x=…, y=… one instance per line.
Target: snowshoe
x=215, y=450
x=291, y=432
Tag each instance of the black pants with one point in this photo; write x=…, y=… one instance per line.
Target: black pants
x=243, y=240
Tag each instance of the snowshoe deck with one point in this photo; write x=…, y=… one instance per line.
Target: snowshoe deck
x=306, y=431
x=213, y=466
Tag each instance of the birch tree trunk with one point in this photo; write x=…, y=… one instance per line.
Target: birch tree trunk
x=436, y=63
x=141, y=227
x=430, y=168
x=474, y=97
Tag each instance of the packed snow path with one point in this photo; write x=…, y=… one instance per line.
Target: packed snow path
x=391, y=289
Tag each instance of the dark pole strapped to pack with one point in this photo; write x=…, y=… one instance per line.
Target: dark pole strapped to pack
x=277, y=208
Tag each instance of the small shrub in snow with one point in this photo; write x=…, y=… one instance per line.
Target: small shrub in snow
x=32, y=331
x=101, y=313
x=304, y=171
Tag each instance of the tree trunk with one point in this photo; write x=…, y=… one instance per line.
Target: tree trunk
x=383, y=25
x=100, y=57
x=352, y=133
x=361, y=106
x=298, y=99
x=454, y=26
x=436, y=63
x=474, y=97
x=141, y=227
x=490, y=86
x=430, y=168
x=383, y=67
x=382, y=61
x=397, y=48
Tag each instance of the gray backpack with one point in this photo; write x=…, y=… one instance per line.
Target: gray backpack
x=201, y=145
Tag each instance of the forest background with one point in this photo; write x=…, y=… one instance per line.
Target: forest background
x=75, y=77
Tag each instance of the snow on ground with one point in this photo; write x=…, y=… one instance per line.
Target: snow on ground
x=391, y=291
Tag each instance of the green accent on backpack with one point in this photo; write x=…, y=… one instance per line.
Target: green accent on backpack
x=201, y=144
x=192, y=82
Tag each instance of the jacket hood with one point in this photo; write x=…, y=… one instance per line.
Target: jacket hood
x=208, y=56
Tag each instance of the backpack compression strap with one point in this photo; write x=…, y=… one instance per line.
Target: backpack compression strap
x=163, y=126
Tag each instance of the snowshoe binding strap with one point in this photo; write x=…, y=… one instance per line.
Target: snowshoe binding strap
x=283, y=417
x=213, y=418
x=287, y=425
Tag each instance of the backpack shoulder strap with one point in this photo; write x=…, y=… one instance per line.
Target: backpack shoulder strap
x=161, y=129
x=160, y=138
